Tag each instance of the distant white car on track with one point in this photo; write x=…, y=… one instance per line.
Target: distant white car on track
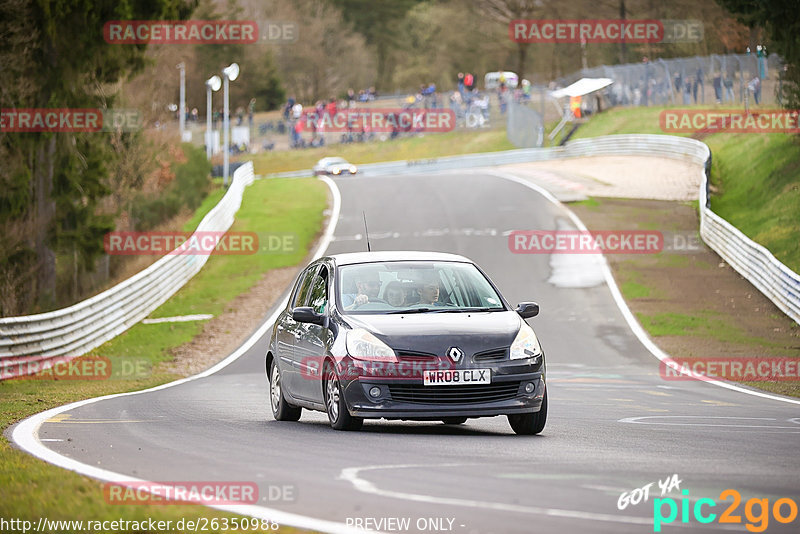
x=334, y=166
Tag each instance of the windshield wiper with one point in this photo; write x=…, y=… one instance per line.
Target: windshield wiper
x=446, y=310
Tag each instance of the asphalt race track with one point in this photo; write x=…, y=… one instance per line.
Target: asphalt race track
x=614, y=424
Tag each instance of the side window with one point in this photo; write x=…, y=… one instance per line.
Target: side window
x=318, y=295
x=303, y=285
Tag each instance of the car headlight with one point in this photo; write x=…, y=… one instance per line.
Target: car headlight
x=363, y=345
x=353, y=169
x=526, y=345
x=336, y=170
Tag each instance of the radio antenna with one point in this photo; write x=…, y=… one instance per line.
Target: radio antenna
x=366, y=231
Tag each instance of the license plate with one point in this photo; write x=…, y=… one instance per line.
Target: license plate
x=457, y=377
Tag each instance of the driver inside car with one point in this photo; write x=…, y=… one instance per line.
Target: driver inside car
x=367, y=290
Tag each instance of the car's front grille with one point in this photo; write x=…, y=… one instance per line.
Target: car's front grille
x=412, y=355
x=490, y=355
x=453, y=394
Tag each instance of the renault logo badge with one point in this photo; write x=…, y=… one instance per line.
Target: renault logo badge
x=455, y=353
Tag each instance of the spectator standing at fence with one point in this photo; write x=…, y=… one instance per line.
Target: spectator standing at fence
x=460, y=84
x=754, y=86
x=698, y=83
x=526, y=90
x=728, y=83
x=502, y=94
x=469, y=82
x=351, y=98
x=287, y=109
x=717, y=83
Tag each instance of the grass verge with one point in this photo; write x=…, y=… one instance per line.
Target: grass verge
x=31, y=488
x=691, y=304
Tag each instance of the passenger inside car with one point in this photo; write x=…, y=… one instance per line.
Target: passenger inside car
x=394, y=294
x=429, y=290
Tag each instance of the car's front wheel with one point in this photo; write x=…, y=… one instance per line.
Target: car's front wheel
x=338, y=415
x=529, y=423
x=281, y=409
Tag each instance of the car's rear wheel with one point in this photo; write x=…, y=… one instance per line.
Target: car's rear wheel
x=454, y=420
x=528, y=424
x=338, y=415
x=281, y=409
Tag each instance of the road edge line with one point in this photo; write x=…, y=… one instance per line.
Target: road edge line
x=633, y=324
x=25, y=434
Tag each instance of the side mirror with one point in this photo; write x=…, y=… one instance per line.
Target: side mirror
x=526, y=310
x=305, y=314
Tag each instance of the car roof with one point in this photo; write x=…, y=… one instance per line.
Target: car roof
x=395, y=255
x=331, y=159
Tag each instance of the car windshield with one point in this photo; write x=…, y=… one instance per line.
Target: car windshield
x=336, y=161
x=415, y=287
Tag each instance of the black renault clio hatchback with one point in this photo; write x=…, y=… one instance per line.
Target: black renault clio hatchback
x=405, y=335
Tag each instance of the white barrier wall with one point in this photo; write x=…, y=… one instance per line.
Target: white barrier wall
x=88, y=324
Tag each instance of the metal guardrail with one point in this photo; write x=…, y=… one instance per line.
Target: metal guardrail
x=88, y=324
x=754, y=262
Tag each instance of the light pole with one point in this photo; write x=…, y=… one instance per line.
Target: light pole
x=212, y=84
x=182, y=106
x=229, y=73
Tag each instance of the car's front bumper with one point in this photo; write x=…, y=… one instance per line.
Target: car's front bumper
x=410, y=399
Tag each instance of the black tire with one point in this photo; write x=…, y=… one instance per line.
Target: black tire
x=281, y=409
x=529, y=424
x=338, y=415
x=454, y=420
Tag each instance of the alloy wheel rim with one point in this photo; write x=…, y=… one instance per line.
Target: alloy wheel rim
x=275, y=388
x=332, y=389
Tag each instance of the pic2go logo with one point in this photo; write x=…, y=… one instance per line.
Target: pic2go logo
x=758, y=521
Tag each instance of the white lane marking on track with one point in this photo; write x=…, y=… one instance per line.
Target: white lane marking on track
x=633, y=324
x=352, y=475
x=179, y=319
x=638, y=421
x=575, y=270
x=26, y=433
